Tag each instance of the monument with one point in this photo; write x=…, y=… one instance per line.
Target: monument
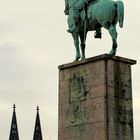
x=95, y=94
x=90, y=15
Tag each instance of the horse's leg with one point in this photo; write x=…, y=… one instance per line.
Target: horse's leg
x=83, y=44
x=113, y=33
x=76, y=43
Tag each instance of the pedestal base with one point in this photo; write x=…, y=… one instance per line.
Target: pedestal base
x=95, y=99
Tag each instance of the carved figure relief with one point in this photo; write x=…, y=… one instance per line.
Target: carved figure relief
x=76, y=112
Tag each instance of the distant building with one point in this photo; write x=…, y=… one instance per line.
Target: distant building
x=14, y=127
x=37, y=130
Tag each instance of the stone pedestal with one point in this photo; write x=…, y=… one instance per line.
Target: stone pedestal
x=95, y=99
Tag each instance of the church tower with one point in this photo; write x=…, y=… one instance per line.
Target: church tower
x=37, y=129
x=14, y=128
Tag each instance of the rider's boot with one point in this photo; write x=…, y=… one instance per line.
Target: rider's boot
x=98, y=33
x=71, y=30
x=74, y=27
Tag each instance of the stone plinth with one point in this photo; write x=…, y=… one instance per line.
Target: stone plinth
x=95, y=99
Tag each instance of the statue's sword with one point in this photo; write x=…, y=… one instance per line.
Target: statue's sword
x=85, y=23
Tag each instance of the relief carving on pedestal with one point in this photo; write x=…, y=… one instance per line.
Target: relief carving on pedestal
x=76, y=112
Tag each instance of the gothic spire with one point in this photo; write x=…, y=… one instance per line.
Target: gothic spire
x=14, y=128
x=37, y=129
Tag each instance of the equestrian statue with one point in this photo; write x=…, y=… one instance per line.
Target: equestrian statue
x=92, y=15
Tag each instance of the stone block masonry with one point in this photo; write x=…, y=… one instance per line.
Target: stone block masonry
x=95, y=99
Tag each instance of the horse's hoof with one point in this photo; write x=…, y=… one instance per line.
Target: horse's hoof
x=83, y=58
x=76, y=59
x=112, y=52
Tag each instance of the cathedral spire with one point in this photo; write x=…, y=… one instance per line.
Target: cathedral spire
x=37, y=130
x=14, y=128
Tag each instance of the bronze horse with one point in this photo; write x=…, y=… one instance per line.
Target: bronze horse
x=103, y=13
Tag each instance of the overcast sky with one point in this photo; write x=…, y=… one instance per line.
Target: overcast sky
x=33, y=42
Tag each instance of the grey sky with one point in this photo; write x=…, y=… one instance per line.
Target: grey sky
x=33, y=42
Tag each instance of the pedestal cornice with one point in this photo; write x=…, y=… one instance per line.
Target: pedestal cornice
x=97, y=58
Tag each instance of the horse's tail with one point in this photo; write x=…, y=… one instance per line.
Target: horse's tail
x=120, y=12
